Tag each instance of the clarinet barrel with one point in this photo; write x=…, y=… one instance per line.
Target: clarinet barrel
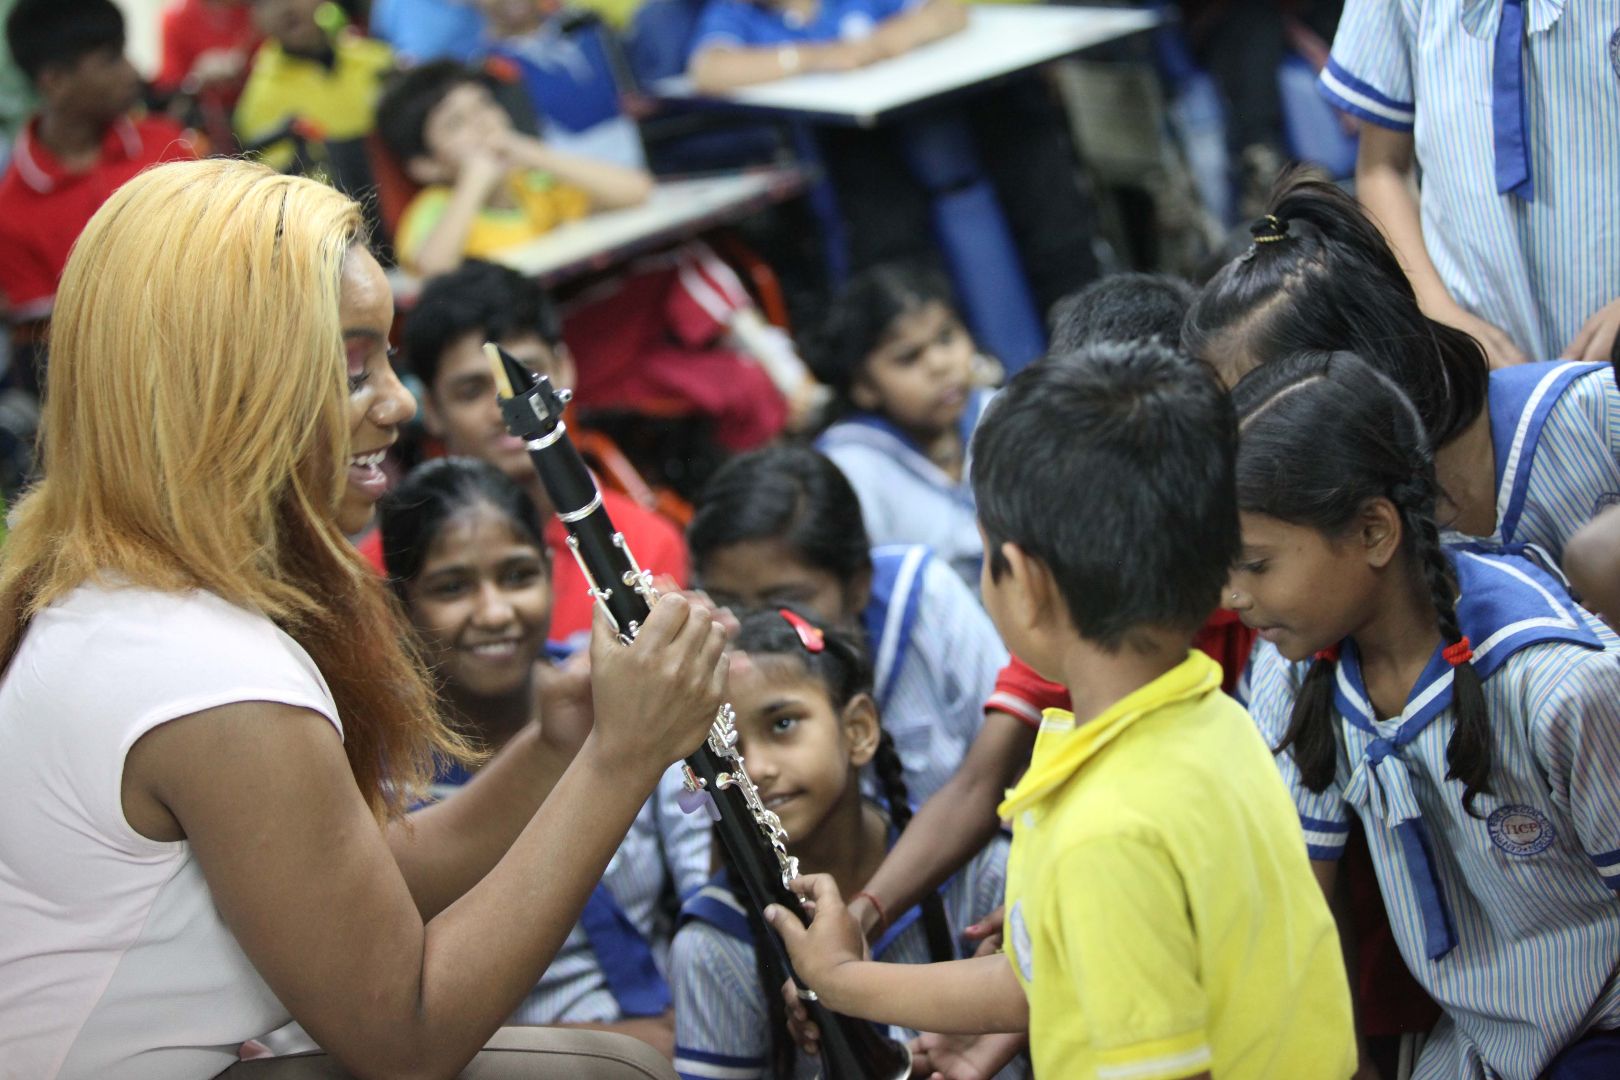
x=851, y=1049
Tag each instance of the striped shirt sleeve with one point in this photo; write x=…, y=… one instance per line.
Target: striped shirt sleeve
x=1323, y=815
x=1576, y=727
x=720, y=1016
x=1369, y=73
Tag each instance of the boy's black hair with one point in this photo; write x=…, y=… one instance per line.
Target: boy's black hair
x=844, y=668
x=1320, y=276
x=495, y=301
x=51, y=33
x=862, y=314
x=410, y=97
x=1112, y=465
x=1122, y=307
x=1323, y=435
x=411, y=515
x=787, y=493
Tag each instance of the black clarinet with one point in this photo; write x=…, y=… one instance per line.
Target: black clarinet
x=715, y=778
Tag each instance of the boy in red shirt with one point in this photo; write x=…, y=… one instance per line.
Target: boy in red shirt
x=454, y=316
x=77, y=149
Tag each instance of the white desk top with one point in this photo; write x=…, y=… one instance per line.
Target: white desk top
x=999, y=40
x=676, y=209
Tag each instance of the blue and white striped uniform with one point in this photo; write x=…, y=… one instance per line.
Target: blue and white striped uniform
x=935, y=656
x=722, y=1026
x=613, y=964
x=906, y=498
x=1510, y=920
x=1536, y=268
x=1555, y=429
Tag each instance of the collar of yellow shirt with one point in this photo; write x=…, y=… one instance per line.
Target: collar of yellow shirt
x=1056, y=760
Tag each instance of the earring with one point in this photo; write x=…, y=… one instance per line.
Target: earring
x=1234, y=598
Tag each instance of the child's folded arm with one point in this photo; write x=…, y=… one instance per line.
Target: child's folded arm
x=927, y=21
x=609, y=186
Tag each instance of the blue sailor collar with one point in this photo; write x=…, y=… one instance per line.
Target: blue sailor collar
x=881, y=433
x=1481, y=17
x=891, y=614
x=1521, y=398
x=1505, y=604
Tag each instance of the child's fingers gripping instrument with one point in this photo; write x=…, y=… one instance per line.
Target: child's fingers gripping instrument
x=753, y=836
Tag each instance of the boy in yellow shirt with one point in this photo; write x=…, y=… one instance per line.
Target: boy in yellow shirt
x=486, y=186
x=1162, y=918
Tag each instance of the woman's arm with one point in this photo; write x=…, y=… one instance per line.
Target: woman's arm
x=300, y=871
x=609, y=186
x=1386, y=186
x=953, y=825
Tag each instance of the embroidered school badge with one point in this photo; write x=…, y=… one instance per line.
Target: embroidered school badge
x=1023, y=949
x=1520, y=830
x=1614, y=53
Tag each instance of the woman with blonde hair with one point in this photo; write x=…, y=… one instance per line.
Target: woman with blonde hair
x=211, y=720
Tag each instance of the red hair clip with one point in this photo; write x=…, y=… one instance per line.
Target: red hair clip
x=1459, y=654
x=1330, y=654
x=810, y=637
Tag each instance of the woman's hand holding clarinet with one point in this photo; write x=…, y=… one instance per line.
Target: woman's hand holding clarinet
x=655, y=699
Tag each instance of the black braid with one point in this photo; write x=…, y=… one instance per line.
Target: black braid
x=1468, y=753
x=891, y=774
x=1312, y=728
x=782, y=1055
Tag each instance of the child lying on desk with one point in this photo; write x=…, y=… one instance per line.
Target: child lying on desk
x=660, y=330
x=740, y=42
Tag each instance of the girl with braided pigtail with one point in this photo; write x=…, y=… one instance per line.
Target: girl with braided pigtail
x=1458, y=703
x=807, y=727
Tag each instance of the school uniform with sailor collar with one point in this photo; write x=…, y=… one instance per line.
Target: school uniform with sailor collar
x=1509, y=919
x=1555, y=431
x=906, y=498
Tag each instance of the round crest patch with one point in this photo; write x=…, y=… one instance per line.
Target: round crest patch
x=1520, y=830
x=1023, y=948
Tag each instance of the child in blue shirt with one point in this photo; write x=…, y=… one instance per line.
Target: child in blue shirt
x=1459, y=705
x=808, y=726
x=465, y=553
x=904, y=374
x=1511, y=113
x=1525, y=455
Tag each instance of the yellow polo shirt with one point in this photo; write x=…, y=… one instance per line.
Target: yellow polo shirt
x=341, y=99
x=1162, y=917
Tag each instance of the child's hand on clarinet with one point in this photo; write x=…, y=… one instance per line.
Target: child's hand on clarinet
x=832, y=939
x=656, y=698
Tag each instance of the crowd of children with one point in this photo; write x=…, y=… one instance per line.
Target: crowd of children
x=1233, y=692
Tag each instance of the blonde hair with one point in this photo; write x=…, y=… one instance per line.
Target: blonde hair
x=196, y=436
